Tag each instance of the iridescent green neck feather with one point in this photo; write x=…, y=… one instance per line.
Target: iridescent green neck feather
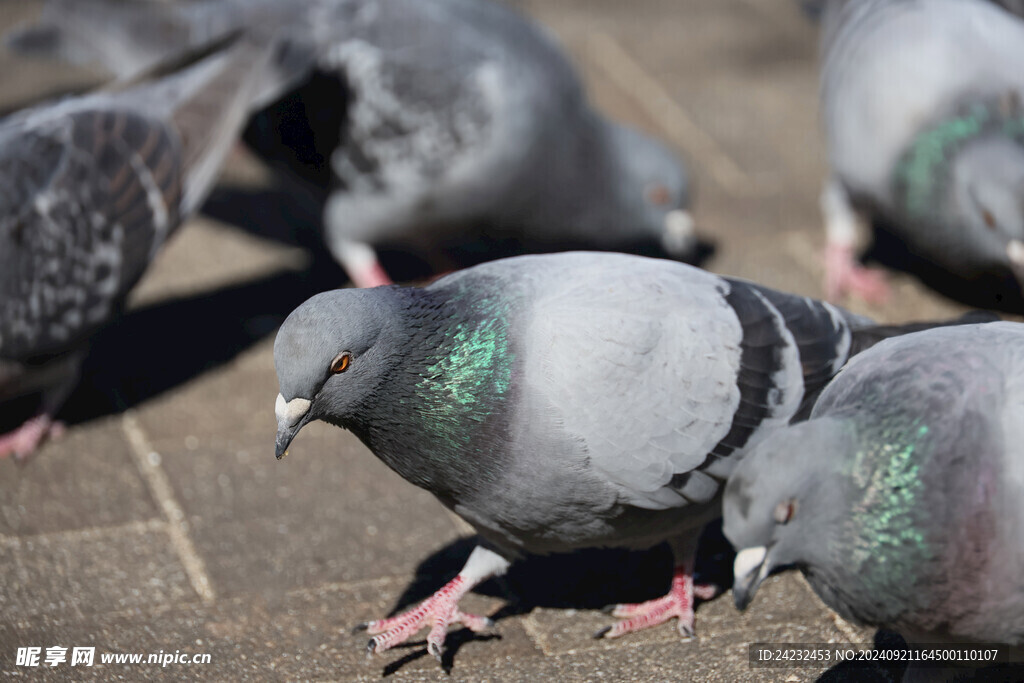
x=886, y=472
x=468, y=375
x=923, y=175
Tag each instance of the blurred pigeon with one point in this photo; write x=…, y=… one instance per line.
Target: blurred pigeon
x=901, y=498
x=424, y=120
x=925, y=132
x=560, y=402
x=814, y=9
x=92, y=188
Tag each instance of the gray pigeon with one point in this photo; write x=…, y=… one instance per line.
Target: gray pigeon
x=424, y=121
x=92, y=188
x=902, y=498
x=925, y=132
x=563, y=401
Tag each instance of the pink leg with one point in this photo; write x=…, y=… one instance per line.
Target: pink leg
x=24, y=440
x=843, y=275
x=677, y=603
x=370, y=275
x=360, y=262
x=440, y=610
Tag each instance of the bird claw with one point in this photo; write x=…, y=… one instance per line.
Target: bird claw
x=23, y=441
x=677, y=603
x=437, y=612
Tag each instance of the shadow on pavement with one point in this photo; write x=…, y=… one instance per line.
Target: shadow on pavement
x=587, y=579
x=150, y=350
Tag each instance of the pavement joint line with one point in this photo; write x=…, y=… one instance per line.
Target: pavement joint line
x=88, y=533
x=148, y=462
x=630, y=77
x=534, y=633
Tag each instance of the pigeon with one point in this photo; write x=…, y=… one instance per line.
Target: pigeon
x=925, y=134
x=92, y=187
x=423, y=123
x=900, y=499
x=561, y=401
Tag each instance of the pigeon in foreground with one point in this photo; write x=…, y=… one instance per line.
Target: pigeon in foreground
x=925, y=132
x=902, y=498
x=424, y=122
x=92, y=188
x=559, y=402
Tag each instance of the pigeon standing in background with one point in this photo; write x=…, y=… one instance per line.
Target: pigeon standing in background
x=561, y=402
x=902, y=498
x=92, y=188
x=921, y=104
x=424, y=122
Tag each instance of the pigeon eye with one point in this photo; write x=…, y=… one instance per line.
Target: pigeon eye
x=785, y=510
x=659, y=195
x=989, y=219
x=341, y=362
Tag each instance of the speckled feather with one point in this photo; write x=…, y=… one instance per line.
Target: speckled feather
x=95, y=185
x=418, y=133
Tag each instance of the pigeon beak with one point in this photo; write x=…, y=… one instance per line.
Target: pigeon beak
x=291, y=416
x=749, y=570
x=679, y=235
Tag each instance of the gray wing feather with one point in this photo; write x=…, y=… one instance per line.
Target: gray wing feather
x=658, y=349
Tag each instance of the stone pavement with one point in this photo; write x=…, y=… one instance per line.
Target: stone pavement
x=162, y=522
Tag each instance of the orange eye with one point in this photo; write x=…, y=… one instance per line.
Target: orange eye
x=341, y=362
x=785, y=510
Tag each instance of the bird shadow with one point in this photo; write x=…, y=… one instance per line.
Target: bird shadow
x=994, y=290
x=588, y=579
x=155, y=348
x=290, y=215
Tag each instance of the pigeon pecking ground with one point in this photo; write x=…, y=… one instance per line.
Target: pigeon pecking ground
x=173, y=527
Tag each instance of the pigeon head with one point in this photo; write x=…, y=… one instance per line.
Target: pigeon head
x=655, y=187
x=988, y=180
x=331, y=354
x=779, y=494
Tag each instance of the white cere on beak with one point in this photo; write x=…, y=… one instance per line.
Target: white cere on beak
x=1015, y=250
x=748, y=561
x=290, y=412
x=679, y=232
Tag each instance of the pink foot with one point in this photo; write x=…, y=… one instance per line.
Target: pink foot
x=437, y=612
x=843, y=275
x=24, y=440
x=678, y=603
